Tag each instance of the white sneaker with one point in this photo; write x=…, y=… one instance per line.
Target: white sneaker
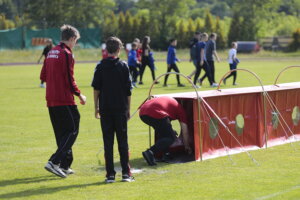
x=214, y=85
x=127, y=178
x=55, y=169
x=68, y=171
x=42, y=85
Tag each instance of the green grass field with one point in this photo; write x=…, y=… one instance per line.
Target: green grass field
x=27, y=141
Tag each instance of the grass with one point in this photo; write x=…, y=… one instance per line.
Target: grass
x=27, y=141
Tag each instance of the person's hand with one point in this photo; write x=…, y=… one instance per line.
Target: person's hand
x=190, y=60
x=82, y=99
x=178, y=60
x=97, y=114
x=218, y=59
x=201, y=63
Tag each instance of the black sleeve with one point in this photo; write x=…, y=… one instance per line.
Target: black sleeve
x=45, y=51
x=96, y=83
x=127, y=79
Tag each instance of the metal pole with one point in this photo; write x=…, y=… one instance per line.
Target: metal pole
x=265, y=118
x=263, y=98
x=286, y=68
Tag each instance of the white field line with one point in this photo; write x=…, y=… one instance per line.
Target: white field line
x=278, y=193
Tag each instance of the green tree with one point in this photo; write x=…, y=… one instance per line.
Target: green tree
x=121, y=25
x=164, y=12
x=190, y=29
x=6, y=23
x=198, y=26
x=295, y=45
x=234, y=31
x=109, y=26
x=250, y=14
x=209, y=24
x=143, y=28
x=181, y=34
x=54, y=13
x=221, y=43
x=135, y=27
x=127, y=30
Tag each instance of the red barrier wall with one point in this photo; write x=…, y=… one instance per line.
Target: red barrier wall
x=245, y=102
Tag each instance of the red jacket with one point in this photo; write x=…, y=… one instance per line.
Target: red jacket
x=58, y=73
x=162, y=107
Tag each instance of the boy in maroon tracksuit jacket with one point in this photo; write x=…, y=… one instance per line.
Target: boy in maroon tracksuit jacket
x=58, y=73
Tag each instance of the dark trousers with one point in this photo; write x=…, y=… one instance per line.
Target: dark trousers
x=211, y=70
x=163, y=129
x=175, y=68
x=65, y=122
x=111, y=124
x=134, y=73
x=146, y=62
x=206, y=69
x=234, y=74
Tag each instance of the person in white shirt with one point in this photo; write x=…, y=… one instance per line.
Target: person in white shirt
x=233, y=62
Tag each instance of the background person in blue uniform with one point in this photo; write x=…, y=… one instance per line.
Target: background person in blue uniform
x=171, y=61
x=193, y=51
x=133, y=63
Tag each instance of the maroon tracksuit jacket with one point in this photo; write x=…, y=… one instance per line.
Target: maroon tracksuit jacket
x=58, y=73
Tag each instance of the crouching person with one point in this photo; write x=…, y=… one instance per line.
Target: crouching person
x=158, y=113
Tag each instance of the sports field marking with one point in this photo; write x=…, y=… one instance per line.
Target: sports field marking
x=278, y=193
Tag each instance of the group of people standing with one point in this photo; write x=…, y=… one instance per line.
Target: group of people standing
x=112, y=85
x=202, y=53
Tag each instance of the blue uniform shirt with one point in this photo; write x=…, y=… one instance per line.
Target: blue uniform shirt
x=132, y=58
x=171, y=59
x=200, y=45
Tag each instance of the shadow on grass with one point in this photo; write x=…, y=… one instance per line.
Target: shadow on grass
x=45, y=190
x=27, y=180
x=140, y=163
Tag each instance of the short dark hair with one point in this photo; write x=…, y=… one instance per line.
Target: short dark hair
x=68, y=31
x=233, y=44
x=172, y=40
x=134, y=44
x=212, y=35
x=197, y=33
x=113, y=44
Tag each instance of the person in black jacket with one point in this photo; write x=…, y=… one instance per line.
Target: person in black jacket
x=112, y=95
x=46, y=50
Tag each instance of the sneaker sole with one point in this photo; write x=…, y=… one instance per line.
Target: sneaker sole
x=127, y=180
x=110, y=181
x=54, y=172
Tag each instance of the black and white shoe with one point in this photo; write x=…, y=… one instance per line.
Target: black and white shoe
x=55, y=169
x=110, y=179
x=68, y=171
x=149, y=157
x=127, y=178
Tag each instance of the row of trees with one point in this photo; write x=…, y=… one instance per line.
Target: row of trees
x=161, y=19
x=128, y=27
